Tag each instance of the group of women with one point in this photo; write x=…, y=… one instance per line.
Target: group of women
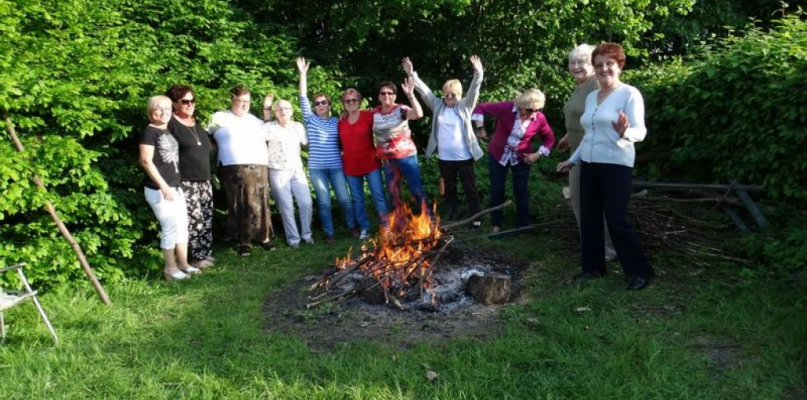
x=604, y=117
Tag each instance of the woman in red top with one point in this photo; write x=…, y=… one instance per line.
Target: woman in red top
x=359, y=160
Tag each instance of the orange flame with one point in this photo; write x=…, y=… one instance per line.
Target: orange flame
x=397, y=255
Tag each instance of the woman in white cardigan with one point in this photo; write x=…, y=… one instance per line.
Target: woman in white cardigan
x=613, y=120
x=453, y=137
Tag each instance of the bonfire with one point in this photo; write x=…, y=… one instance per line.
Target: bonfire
x=400, y=259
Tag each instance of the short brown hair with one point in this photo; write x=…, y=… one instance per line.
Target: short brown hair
x=389, y=85
x=610, y=50
x=239, y=90
x=348, y=91
x=318, y=95
x=177, y=92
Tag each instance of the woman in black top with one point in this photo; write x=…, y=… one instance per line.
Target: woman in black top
x=159, y=157
x=194, y=168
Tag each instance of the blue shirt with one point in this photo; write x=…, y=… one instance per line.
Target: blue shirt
x=323, y=138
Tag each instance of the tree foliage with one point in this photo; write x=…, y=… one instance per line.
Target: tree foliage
x=737, y=110
x=75, y=76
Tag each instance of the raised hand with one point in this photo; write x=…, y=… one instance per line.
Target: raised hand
x=476, y=63
x=302, y=66
x=408, y=86
x=622, y=124
x=406, y=63
x=268, y=100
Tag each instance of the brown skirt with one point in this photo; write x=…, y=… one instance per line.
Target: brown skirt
x=247, y=190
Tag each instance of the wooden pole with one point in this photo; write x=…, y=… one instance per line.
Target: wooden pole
x=58, y=221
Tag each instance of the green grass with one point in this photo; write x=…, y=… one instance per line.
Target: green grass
x=208, y=339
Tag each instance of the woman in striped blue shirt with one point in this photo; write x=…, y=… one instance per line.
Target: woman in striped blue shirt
x=324, y=156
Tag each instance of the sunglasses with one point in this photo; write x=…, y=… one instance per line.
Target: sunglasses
x=530, y=110
x=450, y=96
x=386, y=93
x=186, y=102
x=351, y=101
x=321, y=103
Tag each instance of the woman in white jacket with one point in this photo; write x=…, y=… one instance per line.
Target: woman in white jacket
x=613, y=120
x=453, y=137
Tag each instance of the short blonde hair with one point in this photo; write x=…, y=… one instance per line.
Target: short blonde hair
x=582, y=51
x=154, y=103
x=454, y=86
x=531, y=98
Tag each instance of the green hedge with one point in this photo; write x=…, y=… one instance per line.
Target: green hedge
x=737, y=110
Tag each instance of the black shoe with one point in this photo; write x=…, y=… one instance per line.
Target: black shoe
x=587, y=275
x=243, y=251
x=268, y=246
x=640, y=282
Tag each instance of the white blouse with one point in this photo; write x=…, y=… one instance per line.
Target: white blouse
x=601, y=143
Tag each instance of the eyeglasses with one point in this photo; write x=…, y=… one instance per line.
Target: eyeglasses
x=187, y=102
x=350, y=101
x=386, y=93
x=529, y=110
x=450, y=96
x=321, y=103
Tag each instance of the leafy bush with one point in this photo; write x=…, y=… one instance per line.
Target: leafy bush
x=737, y=110
x=74, y=79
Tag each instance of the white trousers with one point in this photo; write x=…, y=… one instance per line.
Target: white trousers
x=287, y=186
x=173, y=217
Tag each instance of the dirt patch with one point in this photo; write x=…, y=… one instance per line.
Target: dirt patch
x=331, y=324
x=722, y=353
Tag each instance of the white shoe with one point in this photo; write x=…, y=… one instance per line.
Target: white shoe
x=190, y=270
x=364, y=234
x=175, y=276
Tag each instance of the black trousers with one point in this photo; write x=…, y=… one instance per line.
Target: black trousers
x=605, y=189
x=449, y=170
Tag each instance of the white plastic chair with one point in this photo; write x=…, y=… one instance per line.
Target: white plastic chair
x=9, y=299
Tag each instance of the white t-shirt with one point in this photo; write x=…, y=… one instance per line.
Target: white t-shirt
x=450, y=143
x=240, y=140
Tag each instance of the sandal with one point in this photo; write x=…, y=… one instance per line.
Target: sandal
x=244, y=251
x=268, y=246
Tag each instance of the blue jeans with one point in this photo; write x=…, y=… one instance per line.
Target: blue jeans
x=356, y=184
x=498, y=176
x=407, y=168
x=323, y=180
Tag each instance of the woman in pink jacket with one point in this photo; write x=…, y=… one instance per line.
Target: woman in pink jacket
x=518, y=122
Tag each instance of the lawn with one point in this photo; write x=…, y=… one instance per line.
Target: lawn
x=699, y=332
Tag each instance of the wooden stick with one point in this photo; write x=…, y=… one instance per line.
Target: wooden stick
x=477, y=215
x=687, y=186
x=58, y=221
x=431, y=267
x=350, y=293
x=500, y=234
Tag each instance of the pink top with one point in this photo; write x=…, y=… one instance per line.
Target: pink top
x=506, y=114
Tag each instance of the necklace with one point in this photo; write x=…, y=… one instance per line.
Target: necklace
x=193, y=132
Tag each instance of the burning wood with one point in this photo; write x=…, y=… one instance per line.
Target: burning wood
x=399, y=261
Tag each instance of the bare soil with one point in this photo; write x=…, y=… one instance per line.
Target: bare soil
x=331, y=324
